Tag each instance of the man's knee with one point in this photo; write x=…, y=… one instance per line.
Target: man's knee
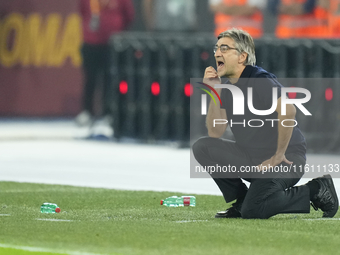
x=200, y=146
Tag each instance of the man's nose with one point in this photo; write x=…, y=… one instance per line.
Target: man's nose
x=218, y=53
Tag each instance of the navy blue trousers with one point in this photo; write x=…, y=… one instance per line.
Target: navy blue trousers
x=268, y=194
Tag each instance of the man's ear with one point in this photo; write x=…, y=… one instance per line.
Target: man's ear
x=242, y=58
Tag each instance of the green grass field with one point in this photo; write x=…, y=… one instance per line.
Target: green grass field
x=103, y=221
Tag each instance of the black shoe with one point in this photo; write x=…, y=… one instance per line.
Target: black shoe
x=233, y=212
x=326, y=199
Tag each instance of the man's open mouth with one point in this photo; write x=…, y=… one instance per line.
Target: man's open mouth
x=220, y=64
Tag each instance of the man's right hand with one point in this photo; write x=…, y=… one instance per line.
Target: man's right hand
x=211, y=77
x=215, y=112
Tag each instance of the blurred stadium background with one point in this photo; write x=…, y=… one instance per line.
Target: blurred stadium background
x=147, y=146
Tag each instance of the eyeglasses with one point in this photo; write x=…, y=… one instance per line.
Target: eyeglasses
x=224, y=48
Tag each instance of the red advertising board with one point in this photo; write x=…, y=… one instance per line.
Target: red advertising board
x=40, y=61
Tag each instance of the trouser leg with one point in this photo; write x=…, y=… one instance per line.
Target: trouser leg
x=107, y=86
x=267, y=197
x=211, y=151
x=90, y=71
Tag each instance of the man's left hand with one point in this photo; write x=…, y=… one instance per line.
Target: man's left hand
x=274, y=161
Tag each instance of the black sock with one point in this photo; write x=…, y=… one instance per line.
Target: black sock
x=314, y=187
x=242, y=193
x=239, y=202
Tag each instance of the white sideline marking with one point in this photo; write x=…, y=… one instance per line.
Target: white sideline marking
x=324, y=219
x=5, y=215
x=186, y=221
x=39, y=249
x=54, y=220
